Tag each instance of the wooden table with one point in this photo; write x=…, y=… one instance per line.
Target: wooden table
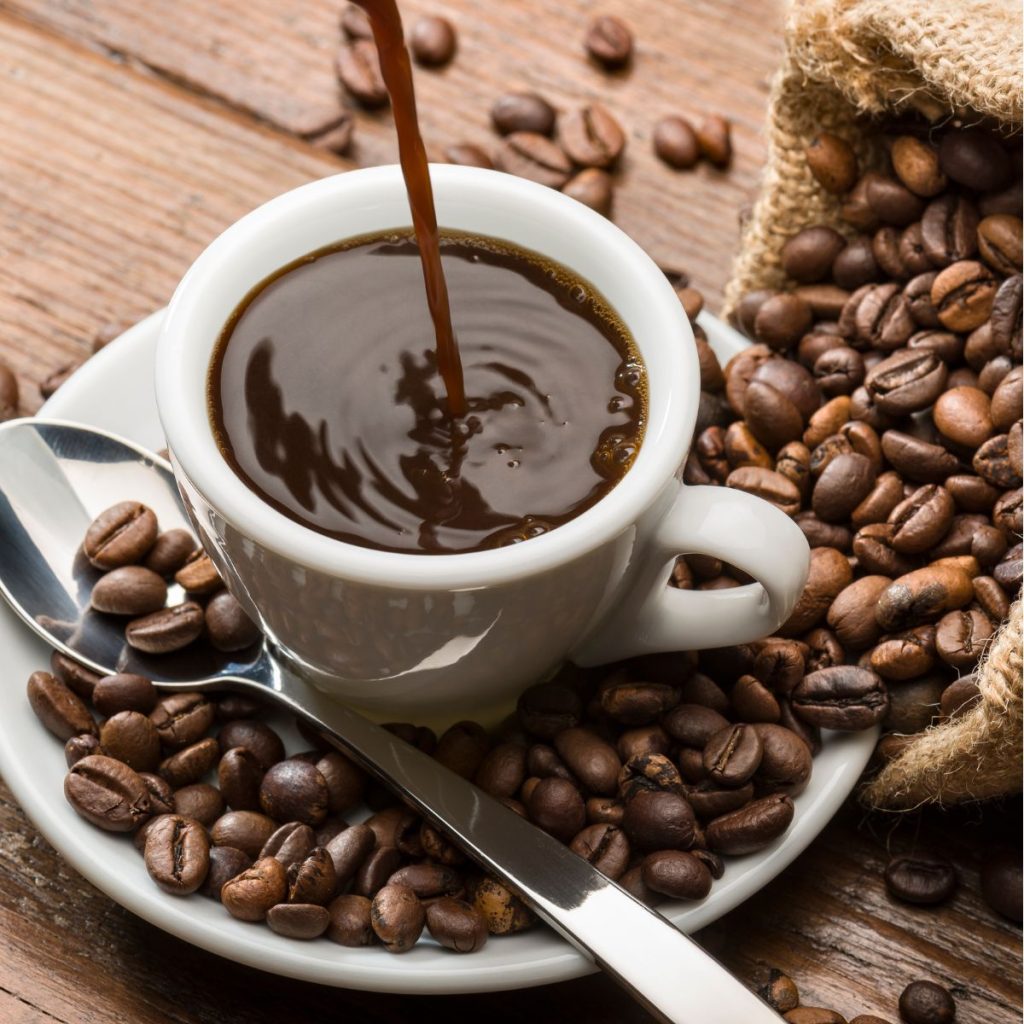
x=130, y=134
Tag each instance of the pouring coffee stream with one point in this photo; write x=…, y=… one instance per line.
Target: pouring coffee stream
x=412, y=155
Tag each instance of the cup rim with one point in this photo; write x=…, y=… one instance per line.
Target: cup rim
x=196, y=456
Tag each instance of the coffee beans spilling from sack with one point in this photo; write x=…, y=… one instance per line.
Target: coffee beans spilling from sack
x=880, y=406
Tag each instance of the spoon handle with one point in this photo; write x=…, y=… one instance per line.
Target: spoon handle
x=663, y=969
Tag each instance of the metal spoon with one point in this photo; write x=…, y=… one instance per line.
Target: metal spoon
x=56, y=477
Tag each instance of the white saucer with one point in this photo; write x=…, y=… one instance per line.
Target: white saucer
x=114, y=390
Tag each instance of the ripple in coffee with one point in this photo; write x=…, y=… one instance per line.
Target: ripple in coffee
x=326, y=400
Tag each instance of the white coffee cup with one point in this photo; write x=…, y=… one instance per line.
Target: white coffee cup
x=434, y=637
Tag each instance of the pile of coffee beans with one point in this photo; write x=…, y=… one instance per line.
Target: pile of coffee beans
x=921, y=1002
x=881, y=408
x=649, y=769
x=135, y=560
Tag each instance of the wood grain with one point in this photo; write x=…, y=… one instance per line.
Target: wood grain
x=132, y=134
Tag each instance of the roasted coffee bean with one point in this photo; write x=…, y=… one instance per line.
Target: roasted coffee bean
x=161, y=796
x=994, y=463
x=814, y=1015
x=1007, y=400
x=437, y=847
x=170, y=551
x=290, y=843
x=839, y=371
x=349, y=849
x=591, y=137
x=432, y=41
x=468, y=155
x=131, y=737
x=855, y=210
x=874, y=551
x=649, y=771
x=124, y=691
x=879, y=502
x=918, y=295
x=121, y=535
x=294, y=791
x=247, y=831
x=924, y=1002
x=852, y=614
x=81, y=746
x=1006, y=513
x=964, y=416
x=200, y=801
x=710, y=800
x=780, y=992
x=636, y=703
x=555, y=805
x=779, y=664
x=782, y=320
x=60, y=710
x=225, y=863
x=298, y=920
x=462, y=748
x=891, y=201
x=633, y=882
x=609, y=41
x=907, y=381
x=358, y=68
x=181, y=719
x=312, y=879
x=605, y=846
x=819, y=534
x=107, y=793
x=429, y=881
x=916, y=164
x=808, y=256
x=199, y=575
x=456, y=925
x=732, y=755
x=785, y=760
x=829, y=574
x=167, y=630
x=349, y=921
x=971, y=493
x=905, y=655
x=988, y=378
x=886, y=245
x=855, y=265
x=915, y=705
x=949, y=230
x=604, y=810
x=77, y=678
x=877, y=316
x=250, y=895
x=264, y=744
x=378, y=866
x=1006, y=317
x=828, y=420
x=543, y=762
x=973, y=157
x=676, y=874
x=714, y=135
x=523, y=112
x=1001, y=882
x=918, y=460
x=771, y=416
x=768, y=485
x=659, y=820
x=921, y=520
x=534, y=156
x=921, y=880
x=397, y=826
x=963, y=294
x=129, y=590
x=824, y=649
x=692, y=725
x=177, y=854
x=843, y=697
x=593, y=188
x=961, y=637
x=922, y=596
x=751, y=828
x=832, y=162
x=741, y=449
x=346, y=782
x=189, y=765
x=752, y=701
x=228, y=628
x=676, y=142
x=503, y=912
x=593, y=761
x=1000, y=243
x=239, y=775
x=641, y=742
x=841, y=487
x=987, y=592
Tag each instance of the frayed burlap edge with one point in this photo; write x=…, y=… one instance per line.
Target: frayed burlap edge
x=846, y=61
x=972, y=757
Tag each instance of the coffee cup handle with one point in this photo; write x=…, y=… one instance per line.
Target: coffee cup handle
x=725, y=523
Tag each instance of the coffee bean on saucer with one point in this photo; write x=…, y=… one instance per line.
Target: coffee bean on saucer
x=81, y=746
x=249, y=895
x=358, y=69
x=228, y=628
x=226, y=862
x=502, y=910
x=533, y=156
x=121, y=535
x=177, y=854
x=609, y=41
x=676, y=142
x=924, y=1002
x=60, y=710
x=170, y=551
x=349, y=921
x=8, y=393
x=132, y=738
x=456, y=924
x=605, y=846
x=199, y=575
x=239, y=775
x=922, y=880
x=124, y=691
x=843, y=697
x=312, y=879
x=294, y=791
x=247, y=831
x=182, y=719
x=375, y=870
x=750, y=828
x=555, y=805
x=77, y=678
x=187, y=766
x=264, y=744
x=129, y=590
x=432, y=41
x=298, y=920
x=592, y=137
x=676, y=874
x=397, y=917
x=349, y=849
x=107, y=793
x=167, y=630
x=593, y=188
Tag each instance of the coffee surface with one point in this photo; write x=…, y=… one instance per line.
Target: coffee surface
x=326, y=400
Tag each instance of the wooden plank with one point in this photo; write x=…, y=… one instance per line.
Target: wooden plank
x=276, y=61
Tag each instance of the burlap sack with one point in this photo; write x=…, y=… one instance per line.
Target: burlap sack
x=847, y=60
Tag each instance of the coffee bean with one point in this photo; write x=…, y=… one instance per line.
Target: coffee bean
x=1001, y=882
x=782, y=320
x=839, y=371
x=462, y=748
x=924, y=1002
x=177, y=854
x=80, y=746
x=432, y=41
x=855, y=265
x=852, y=614
x=845, y=482
x=593, y=188
x=228, y=628
x=294, y=791
x=239, y=776
x=905, y=655
x=131, y=737
x=963, y=295
x=349, y=849
x=922, y=596
x=995, y=463
x=503, y=912
x=916, y=459
x=190, y=764
x=767, y=485
x=298, y=920
x=346, y=782
x=312, y=879
x=659, y=820
x=676, y=874
x=593, y=761
x=833, y=163
x=225, y=863
x=714, y=136
x=886, y=244
x=855, y=210
x=843, y=697
x=780, y=992
x=167, y=630
x=468, y=155
x=547, y=708
x=77, y=678
x=124, y=691
x=752, y=701
x=609, y=41
x=949, y=230
x=1000, y=243
x=349, y=921
x=917, y=165
x=107, y=793
x=814, y=1015
x=397, y=826
x=920, y=880
x=247, y=831
x=921, y=520
x=828, y=576
x=358, y=68
x=877, y=316
x=60, y=710
x=907, y=381
x=533, y=156
x=290, y=843
x=751, y=828
x=891, y=201
x=200, y=801
x=456, y=925
x=555, y=805
x=121, y=535
x=250, y=895
x=709, y=800
x=605, y=846
x=429, y=881
x=170, y=551
x=961, y=637
x=648, y=771
x=974, y=158
x=785, y=760
x=732, y=755
x=1006, y=513
x=129, y=590
x=437, y=847
x=261, y=741
x=592, y=137
x=502, y=771
x=523, y=112
x=676, y=142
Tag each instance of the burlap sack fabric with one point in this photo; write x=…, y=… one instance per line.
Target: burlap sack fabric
x=848, y=60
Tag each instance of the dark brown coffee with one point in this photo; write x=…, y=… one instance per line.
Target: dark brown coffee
x=325, y=397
